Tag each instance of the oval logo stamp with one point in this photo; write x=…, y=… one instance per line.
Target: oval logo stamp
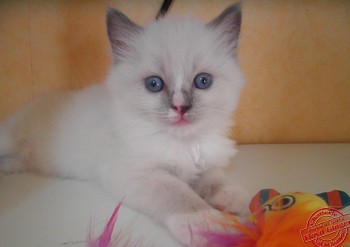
x=326, y=227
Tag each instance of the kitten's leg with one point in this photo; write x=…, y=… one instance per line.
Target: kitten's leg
x=167, y=199
x=6, y=140
x=9, y=159
x=215, y=188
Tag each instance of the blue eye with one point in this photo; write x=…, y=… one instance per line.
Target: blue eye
x=202, y=81
x=154, y=84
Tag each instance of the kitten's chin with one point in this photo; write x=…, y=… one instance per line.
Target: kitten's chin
x=179, y=125
x=182, y=128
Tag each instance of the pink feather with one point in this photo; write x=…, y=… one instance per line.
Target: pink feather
x=104, y=240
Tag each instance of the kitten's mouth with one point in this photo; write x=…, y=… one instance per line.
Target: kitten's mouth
x=179, y=119
x=181, y=122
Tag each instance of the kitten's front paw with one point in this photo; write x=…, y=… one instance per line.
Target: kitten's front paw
x=231, y=199
x=188, y=229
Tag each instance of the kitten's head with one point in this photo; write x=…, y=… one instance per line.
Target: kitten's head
x=179, y=75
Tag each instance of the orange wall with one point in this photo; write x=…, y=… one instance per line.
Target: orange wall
x=295, y=55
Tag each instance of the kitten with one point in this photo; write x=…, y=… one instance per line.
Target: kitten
x=155, y=131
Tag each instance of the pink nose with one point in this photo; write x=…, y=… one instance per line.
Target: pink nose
x=181, y=109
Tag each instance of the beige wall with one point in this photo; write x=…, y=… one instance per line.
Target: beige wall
x=295, y=55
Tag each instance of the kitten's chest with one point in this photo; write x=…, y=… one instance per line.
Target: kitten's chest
x=186, y=159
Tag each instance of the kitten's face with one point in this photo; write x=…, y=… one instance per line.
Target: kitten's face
x=181, y=75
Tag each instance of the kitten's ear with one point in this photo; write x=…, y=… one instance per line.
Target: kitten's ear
x=121, y=31
x=229, y=24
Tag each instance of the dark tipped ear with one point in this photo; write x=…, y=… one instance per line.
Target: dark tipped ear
x=229, y=24
x=121, y=31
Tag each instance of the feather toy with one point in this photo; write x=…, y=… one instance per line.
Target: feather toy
x=281, y=220
x=105, y=238
x=276, y=220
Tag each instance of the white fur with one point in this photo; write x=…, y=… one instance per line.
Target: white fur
x=120, y=135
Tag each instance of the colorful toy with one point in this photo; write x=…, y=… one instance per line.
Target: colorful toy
x=288, y=220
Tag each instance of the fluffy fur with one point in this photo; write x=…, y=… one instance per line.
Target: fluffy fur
x=136, y=143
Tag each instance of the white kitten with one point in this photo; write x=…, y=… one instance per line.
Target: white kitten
x=155, y=131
